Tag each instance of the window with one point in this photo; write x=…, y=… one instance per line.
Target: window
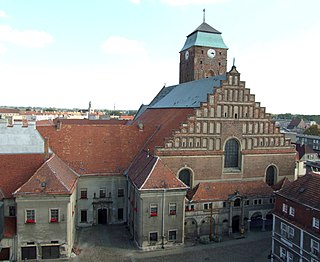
x=185, y=177
x=283, y=253
x=271, y=175
x=284, y=208
x=83, y=193
x=153, y=236
x=172, y=209
x=172, y=235
x=231, y=154
x=120, y=192
x=206, y=206
x=153, y=210
x=54, y=215
x=120, y=213
x=83, y=218
x=102, y=192
x=237, y=202
x=289, y=257
x=314, y=247
x=287, y=231
x=30, y=216
x=189, y=208
x=12, y=211
x=315, y=223
x=292, y=210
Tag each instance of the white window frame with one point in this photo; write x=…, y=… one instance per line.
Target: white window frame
x=292, y=211
x=290, y=232
x=50, y=215
x=102, y=192
x=284, y=208
x=315, y=222
x=289, y=257
x=172, y=209
x=172, y=230
x=154, y=214
x=314, y=246
x=34, y=215
x=283, y=253
x=283, y=229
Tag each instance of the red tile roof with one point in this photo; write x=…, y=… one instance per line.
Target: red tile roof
x=10, y=227
x=53, y=177
x=283, y=182
x=91, y=149
x=215, y=191
x=149, y=172
x=16, y=169
x=164, y=121
x=304, y=190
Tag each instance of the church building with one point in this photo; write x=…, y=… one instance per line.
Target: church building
x=198, y=161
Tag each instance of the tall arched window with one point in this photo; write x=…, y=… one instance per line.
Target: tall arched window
x=232, y=154
x=271, y=175
x=185, y=177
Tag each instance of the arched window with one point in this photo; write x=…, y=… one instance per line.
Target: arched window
x=271, y=175
x=185, y=177
x=237, y=202
x=232, y=154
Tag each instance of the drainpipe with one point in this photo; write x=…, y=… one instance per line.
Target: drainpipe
x=163, y=209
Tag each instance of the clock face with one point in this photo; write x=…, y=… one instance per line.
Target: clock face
x=186, y=55
x=211, y=53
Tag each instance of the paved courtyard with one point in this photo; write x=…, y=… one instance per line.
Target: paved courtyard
x=112, y=243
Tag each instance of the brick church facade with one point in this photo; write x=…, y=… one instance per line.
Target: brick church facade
x=197, y=161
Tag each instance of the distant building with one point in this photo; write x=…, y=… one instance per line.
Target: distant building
x=297, y=125
x=296, y=235
x=311, y=141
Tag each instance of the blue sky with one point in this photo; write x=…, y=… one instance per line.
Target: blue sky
x=65, y=53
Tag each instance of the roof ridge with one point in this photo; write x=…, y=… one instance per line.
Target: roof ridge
x=154, y=165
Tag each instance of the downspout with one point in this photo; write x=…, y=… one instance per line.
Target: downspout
x=163, y=209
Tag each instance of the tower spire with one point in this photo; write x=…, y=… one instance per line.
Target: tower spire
x=204, y=15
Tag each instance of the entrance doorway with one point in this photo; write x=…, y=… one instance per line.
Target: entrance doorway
x=235, y=224
x=102, y=216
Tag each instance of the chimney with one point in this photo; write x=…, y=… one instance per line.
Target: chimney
x=24, y=122
x=10, y=122
x=46, y=148
x=58, y=125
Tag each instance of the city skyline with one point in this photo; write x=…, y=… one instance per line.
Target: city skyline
x=120, y=54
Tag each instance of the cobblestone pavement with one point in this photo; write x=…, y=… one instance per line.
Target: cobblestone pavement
x=112, y=243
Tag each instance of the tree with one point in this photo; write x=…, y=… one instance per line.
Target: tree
x=313, y=130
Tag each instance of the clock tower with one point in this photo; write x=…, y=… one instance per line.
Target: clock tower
x=204, y=54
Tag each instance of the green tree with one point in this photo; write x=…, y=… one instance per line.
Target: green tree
x=313, y=130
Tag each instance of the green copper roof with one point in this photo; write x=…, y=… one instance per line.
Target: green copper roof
x=204, y=35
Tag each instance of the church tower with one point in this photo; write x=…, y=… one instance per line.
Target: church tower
x=204, y=54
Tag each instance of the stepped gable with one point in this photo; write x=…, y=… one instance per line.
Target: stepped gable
x=304, y=190
x=16, y=169
x=53, y=177
x=218, y=191
x=96, y=149
x=188, y=94
x=149, y=172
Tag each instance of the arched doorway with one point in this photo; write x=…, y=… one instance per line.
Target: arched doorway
x=190, y=228
x=271, y=175
x=102, y=216
x=206, y=226
x=185, y=177
x=256, y=221
x=235, y=224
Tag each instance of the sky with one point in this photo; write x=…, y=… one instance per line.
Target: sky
x=119, y=54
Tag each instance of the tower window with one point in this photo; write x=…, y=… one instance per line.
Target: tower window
x=201, y=51
x=200, y=62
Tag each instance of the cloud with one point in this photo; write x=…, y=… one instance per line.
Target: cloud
x=191, y=2
x=27, y=38
x=3, y=14
x=118, y=45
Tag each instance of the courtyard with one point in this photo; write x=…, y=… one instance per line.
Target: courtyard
x=112, y=243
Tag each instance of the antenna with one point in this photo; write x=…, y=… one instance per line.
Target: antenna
x=234, y=60
x=204, y=15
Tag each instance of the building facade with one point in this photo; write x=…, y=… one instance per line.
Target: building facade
x=296, y=235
